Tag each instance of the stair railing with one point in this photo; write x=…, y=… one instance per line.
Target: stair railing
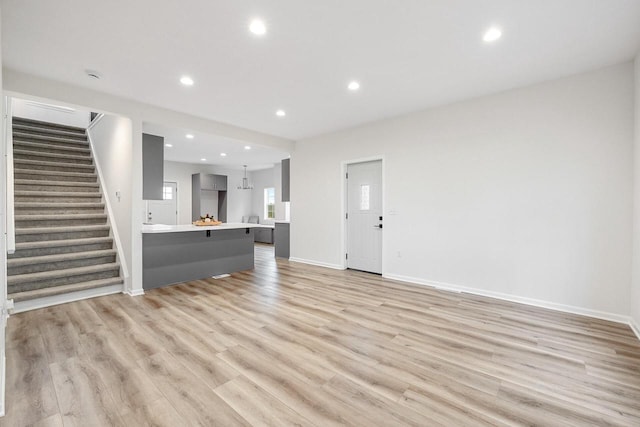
x=10, y=225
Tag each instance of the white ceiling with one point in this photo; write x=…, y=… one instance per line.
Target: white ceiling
x=210, y=146
x=407, y=54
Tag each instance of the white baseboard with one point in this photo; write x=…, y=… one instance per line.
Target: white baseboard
x=35, y=304
x=134, y=292
x=317, y=263
x=634, y=327
x=513, y=298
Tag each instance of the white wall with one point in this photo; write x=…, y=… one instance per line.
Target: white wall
x=262, y=179
x=524, y=194
x=48, y=112
x=635, y=284
x=111, y=138
x=238, y=201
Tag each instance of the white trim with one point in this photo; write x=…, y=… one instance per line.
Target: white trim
x=512, y=298
x=134, y=292
x=318, y=263
x=112, y=220
x=59, y=108
x=5, y=236
x=8, y=184
x=95, y=121
x=37, y=303
x=634, y=327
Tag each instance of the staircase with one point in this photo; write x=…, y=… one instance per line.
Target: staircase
x=63, y=239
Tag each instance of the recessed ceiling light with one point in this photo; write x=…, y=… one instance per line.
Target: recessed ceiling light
x=203, y=159
x=247, y=147
x=186, y=80
x=354, y=85
x=223, y=154
x=492, y=34
x=168, y=145
x=189, y=136
x=281, y=113
x=257, y=27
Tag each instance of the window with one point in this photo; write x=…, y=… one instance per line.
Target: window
x=269, y=203
x=167, y=193
x=364, y=197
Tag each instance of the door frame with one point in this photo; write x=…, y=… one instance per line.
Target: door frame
x=344, y=194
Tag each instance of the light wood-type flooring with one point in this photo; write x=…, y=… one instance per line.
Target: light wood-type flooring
x=289, y=344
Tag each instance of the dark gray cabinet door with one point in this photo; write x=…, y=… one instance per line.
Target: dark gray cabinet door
x=281, y=239
x=286, y=173
x=207, y=182
x=152, y=166
x=220, y=182
x=213, y=182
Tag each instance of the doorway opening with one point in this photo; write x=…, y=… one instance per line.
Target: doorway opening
x=164, y=211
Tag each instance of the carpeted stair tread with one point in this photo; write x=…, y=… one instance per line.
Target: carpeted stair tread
x=63, y=289
x=61, y=133
x=57, y=230
x=30, y=208
x=16, y=120
x=68, y=158
x=45, y=205
x=49, y=217
x=67, y=272
x=13, y=262
x=88, y=168
x=56, y=183
x=59, y=243
x=26, y=145
x=44, y=175
x=22, y=136
x=56, y=194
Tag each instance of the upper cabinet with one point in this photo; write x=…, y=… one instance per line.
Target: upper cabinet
x=286, y=180
x=220, y=182
x=152, y=166
x=213, y=182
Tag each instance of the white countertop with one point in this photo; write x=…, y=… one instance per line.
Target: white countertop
x=281, y=221
x=161, y=228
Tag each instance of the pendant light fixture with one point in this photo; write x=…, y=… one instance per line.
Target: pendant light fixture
x=245, y=182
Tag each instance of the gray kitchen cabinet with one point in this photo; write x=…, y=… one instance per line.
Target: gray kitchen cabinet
x=213, y=182
x=208, y=196
x=152, y=166
x=286, y=179
x=263, y=235
x=281, y=239
x=220, y=182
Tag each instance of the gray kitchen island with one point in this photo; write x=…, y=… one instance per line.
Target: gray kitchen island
x=180, y=253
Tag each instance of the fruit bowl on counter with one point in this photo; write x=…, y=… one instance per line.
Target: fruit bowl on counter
x=207, y=220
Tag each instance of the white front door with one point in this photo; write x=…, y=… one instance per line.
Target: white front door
x=164, y=211
x=364, y=216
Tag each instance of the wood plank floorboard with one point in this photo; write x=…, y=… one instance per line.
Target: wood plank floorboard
x=288, y=344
